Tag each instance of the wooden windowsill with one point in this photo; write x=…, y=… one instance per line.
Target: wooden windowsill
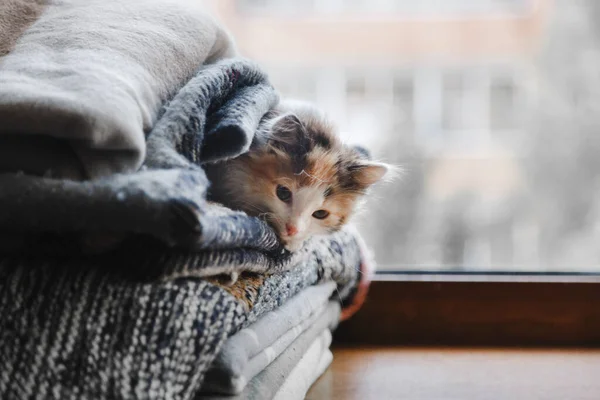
x=459, y=374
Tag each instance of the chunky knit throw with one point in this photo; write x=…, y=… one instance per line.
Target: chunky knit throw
x=68, y=329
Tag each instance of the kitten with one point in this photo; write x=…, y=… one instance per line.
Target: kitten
x=297, y=175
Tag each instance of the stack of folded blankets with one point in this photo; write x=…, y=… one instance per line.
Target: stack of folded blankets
x=118, y=279
x=297, y=335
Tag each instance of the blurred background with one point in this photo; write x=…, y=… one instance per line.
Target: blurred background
x=492, y=108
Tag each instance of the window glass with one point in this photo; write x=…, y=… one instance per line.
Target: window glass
x=490, y=107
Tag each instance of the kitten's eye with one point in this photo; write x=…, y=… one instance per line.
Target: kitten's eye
x=321, y=214
x=283, y=193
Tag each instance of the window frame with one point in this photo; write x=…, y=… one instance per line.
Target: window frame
x=478, y=309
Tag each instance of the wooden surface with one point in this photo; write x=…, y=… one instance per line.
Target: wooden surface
x=460, y=374
x=505, y=312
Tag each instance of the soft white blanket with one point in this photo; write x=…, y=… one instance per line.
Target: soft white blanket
x=83, y=82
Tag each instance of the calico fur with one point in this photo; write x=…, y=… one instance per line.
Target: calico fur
x=296, y=147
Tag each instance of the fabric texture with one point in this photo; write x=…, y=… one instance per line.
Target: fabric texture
x=266, y=384
x=113, y=287
x=312, y=365
x=15, y=17
x=71, y=330
x=93, y=75
x=252, y=349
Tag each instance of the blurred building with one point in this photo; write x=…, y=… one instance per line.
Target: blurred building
x=455, y=72
x=444, y=83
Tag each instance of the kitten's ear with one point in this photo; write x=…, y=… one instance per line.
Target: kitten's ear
x=286, y=131
x=362, y=152
x=367, y=173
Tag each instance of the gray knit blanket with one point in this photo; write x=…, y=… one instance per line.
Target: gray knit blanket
x=112, y=288
x=69, y=329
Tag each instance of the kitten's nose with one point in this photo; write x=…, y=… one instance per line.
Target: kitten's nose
x=291, y=229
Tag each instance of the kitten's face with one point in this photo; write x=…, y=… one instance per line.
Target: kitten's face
x=303, y=181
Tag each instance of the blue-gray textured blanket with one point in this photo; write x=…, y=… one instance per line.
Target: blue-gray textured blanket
x=213, y=117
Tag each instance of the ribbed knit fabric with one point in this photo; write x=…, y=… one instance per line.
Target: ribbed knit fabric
x=70, y=330
x=87, y=336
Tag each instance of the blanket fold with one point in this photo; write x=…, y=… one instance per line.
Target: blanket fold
x=166, y=200
x=272, y=379
x=311, y=366
x=94, y=74
x=252, y=349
